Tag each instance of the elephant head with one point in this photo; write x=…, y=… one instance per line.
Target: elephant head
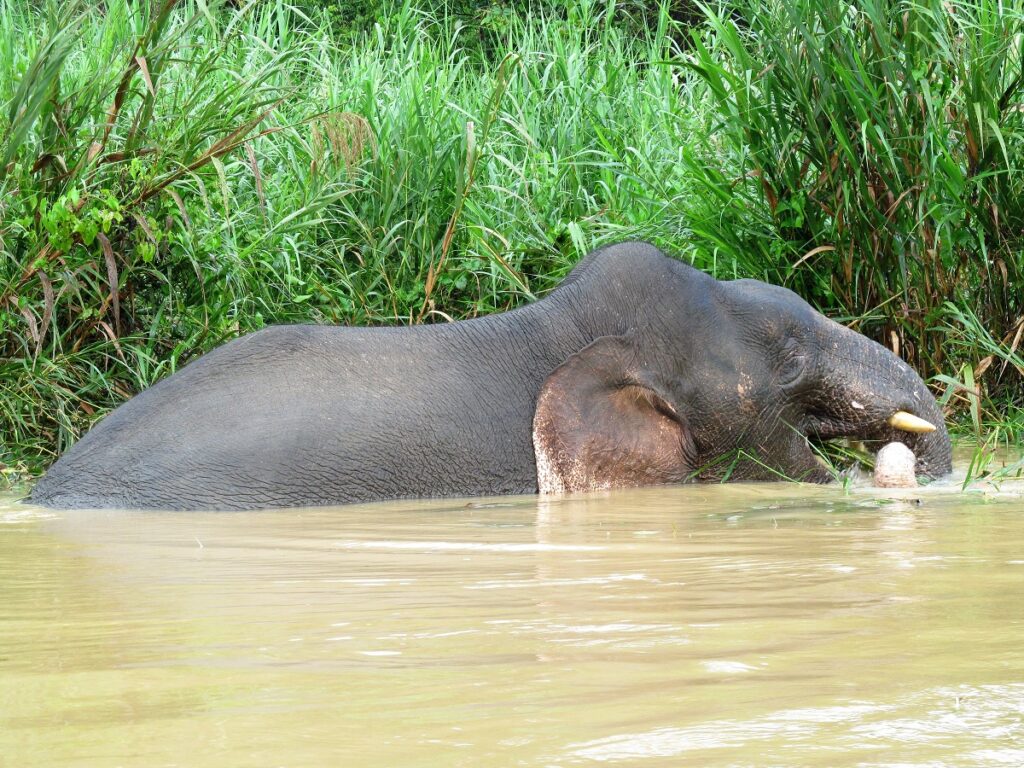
x=737, y=382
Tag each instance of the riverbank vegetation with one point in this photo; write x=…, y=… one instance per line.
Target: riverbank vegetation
x=176, y=173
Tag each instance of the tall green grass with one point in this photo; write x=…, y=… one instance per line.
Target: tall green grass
x=128, y=197
x=178, y=174
x=870, y=155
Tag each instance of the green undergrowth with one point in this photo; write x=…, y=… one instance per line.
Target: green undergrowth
x=176, y=173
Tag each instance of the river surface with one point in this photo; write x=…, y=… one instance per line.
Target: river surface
x=715, y=625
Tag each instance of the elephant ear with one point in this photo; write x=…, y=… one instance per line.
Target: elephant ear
x=602, y=422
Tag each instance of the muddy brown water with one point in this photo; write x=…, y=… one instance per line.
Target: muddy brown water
x=736, y=625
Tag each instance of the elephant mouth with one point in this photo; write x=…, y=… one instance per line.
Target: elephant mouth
x=897, y=423
x=838, y=445
x=826, y=449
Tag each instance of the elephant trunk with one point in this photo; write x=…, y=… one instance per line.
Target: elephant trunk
x=865, y=387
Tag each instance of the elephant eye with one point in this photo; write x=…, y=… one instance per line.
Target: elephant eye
x=793, y=363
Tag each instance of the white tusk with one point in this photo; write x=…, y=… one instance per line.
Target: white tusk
x=908, y=422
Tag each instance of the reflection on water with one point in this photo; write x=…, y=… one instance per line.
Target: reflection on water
x=765, y=625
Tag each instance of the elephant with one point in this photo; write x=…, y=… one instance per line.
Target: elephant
x=637, y=369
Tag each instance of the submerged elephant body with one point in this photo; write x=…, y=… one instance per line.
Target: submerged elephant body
x=637, y=369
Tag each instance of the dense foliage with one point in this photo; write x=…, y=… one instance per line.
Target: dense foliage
x=874, y=161
x=175, y=173
x=156, y=202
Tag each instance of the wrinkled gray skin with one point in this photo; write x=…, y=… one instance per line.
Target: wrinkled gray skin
x=307, y=415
